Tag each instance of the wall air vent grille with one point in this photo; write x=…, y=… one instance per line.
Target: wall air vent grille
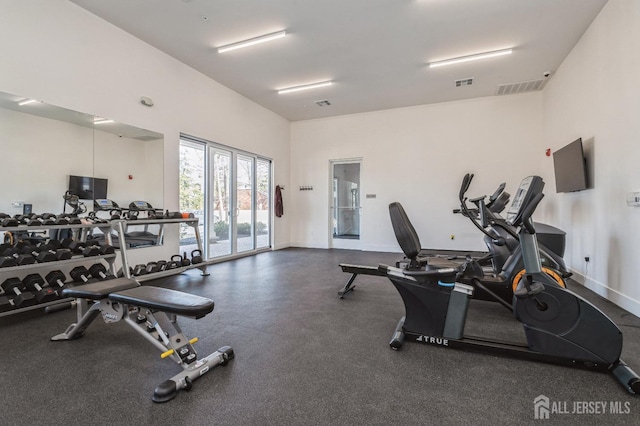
x=521, y=87
x=464, y=82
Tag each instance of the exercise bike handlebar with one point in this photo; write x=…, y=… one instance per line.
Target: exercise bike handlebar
x=466, y=182
x=497, y=192
x=527, y=222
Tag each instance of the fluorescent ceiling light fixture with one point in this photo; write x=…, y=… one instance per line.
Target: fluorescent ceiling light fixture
x=27, y=102
x=305, y=87
x=102, y=121
x=252, y=41
x=470, y=58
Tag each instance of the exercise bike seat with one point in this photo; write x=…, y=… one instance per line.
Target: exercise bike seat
x=99, y=289
x=165, y=300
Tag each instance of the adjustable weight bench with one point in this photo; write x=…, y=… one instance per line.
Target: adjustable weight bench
x=151, y=311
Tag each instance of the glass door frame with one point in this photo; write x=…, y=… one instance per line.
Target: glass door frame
x=340, y=243
x=232, y=214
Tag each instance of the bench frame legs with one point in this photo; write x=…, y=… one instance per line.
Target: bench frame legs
x=161, y=329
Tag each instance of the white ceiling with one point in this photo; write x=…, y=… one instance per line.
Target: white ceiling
x=376, y=51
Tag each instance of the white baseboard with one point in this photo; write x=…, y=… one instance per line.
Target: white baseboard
x=281, y=246
x=309, y=245
x=625, y=302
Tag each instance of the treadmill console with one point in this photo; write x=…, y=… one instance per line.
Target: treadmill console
x=105, y=204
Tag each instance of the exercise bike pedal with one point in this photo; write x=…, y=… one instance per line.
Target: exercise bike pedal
x=529, y=288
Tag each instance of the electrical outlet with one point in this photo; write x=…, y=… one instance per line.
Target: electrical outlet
x=17, y=204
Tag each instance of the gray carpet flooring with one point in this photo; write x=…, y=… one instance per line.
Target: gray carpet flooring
x=303, y=357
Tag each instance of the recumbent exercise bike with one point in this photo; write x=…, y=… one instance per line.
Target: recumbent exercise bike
x=560, y=326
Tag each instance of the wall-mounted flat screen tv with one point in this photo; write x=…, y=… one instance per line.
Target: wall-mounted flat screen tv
x=570, y=168
x=88, y=188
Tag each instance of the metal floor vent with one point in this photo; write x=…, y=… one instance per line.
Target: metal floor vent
x=323, y=103
x=464, y=82
x=523, y=86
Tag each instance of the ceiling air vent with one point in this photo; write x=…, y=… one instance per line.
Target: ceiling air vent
x=464, y=82
x=323, y=103
x=523, y=86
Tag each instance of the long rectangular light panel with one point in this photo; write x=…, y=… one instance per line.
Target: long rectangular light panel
x=470, y=58
x=252, y=41
x=305, y=87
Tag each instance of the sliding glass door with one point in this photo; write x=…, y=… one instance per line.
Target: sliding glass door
x=237, y=204
x=219, y=216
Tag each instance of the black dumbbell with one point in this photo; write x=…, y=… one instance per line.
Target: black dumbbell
x=15, y=286
x=24, y=259
x=74, y=220
x=62, y=253
x=76, y=246
x=16, y=257
x=5, y=304
x=34, y=283
x=152, y=267
x=47, y=218
x=61, y=220
x=107, y=249
x=98, y=271
x=80, y=274
x=56, y=279
x=42, y=253
x=9, y=222
x=91, y=250
x=34, y=221
x=7, y=261
x=196, y=256
x=19, y=258
x=22, y=219
x=139, y=270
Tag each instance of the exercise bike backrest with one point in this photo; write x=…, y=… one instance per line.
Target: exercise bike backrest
x=405, y=234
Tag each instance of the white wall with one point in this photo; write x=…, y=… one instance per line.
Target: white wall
x=594, y=95
x=58, y=53
x=417, y=156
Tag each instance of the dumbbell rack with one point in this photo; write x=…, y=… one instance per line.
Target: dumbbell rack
x=79, y=232
x=121, y=228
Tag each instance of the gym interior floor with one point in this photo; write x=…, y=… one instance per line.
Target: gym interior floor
x=303, y=357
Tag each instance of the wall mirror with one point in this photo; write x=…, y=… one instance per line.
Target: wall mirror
x=44, y=147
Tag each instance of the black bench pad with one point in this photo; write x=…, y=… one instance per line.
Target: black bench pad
x=99, y=289
x=166, y=300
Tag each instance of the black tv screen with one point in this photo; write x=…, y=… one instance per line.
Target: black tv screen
x=88, y=188
x=570, y=167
